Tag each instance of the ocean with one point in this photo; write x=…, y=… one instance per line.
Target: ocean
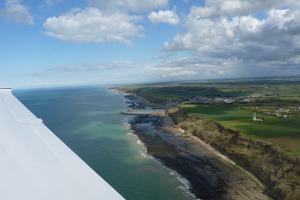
x=87, y=119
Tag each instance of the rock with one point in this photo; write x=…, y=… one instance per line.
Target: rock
x=210, y=176
x=280, y=173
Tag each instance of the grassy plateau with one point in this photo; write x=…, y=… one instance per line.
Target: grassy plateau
x=271, y=94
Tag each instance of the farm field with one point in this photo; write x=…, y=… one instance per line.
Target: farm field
x=284, y=132
x=271, y=95
x=273, y=91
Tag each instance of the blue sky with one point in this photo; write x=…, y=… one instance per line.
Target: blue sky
x=66, y=42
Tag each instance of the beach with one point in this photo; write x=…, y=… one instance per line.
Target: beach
x=210, y=174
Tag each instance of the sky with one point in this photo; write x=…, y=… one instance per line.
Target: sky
x=65, y=42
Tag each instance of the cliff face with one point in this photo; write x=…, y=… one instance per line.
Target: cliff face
x=279, y=172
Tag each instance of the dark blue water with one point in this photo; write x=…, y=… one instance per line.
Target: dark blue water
x=87, y=119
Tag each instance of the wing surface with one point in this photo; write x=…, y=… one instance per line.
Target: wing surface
x=37, y=165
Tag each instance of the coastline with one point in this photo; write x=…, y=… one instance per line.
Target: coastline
x=210, y=174
x=185, y=187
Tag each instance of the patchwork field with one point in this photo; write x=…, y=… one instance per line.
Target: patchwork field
x=284, y=132
x=271, y=91
x=271, y=97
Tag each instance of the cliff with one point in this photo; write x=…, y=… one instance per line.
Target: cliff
x=279, y=172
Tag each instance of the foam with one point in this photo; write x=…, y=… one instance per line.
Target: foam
x=139, y=142
x=185, y=187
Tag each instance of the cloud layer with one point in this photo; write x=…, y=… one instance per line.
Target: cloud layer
x=178, y=40
x=250, y=37
x=232, y=38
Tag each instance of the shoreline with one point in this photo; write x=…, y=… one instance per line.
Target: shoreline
x=210, y=176
x=260, y=160
x=185, y=184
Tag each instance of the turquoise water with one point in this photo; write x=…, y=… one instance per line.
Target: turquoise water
x=87, y=119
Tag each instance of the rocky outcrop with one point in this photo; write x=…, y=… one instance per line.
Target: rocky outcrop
x=208, y=176
x=279, y=172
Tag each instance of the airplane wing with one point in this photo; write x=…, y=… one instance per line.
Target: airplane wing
x=37, y=165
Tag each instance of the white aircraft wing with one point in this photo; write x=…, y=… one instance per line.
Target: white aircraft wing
x=36, y=165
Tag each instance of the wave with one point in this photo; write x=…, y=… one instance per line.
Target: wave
x=139, y=142
x=127, y=125
x=185, y=187
x=130, y=133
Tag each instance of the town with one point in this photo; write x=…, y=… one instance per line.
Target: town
x=211, y=100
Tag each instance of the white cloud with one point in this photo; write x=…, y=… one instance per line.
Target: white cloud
x=154, y=68
x=52, y=2
x=115, y=72
x=164, y=16
x=90, y=25
x=94, y=67
x=237, y=7
x=180, y=73
x=102, y=21
x=230, y=32
x=129, y=5
x=144, y=5
x=17, y=12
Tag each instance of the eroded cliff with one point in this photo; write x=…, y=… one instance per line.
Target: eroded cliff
x=279, y=172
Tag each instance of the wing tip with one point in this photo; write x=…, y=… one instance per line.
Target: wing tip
x=5, y=88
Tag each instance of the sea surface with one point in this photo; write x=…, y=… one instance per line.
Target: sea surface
x=87, y=119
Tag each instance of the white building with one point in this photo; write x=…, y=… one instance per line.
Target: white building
x=255, y=119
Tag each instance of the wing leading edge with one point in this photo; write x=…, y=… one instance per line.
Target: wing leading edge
x=35, y=164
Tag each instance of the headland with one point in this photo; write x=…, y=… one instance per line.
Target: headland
x=220, y=160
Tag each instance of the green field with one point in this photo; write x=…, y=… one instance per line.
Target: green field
x=284, y=132
x=273, y=91
x=276, y=92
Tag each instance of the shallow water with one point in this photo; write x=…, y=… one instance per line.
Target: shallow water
x=87, y=119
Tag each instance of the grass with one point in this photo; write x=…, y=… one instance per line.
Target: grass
x=272, y=92
x=285, y=91
x=284, y=132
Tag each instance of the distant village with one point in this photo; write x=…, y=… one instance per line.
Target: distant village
x=211, y=100
x=283, y=112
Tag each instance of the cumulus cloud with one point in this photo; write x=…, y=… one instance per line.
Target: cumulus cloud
x=164, y=16
x=236, y=7
x=128, y=5
x=102, y=21
x=52, y=2
x=91, y=25
x=195, y=67
x=232, y=32
x=17, y=12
